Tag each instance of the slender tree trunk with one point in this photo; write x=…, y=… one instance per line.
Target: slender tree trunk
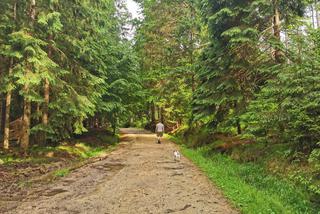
x=237, y=109
x=158, y=113
x=161, y=114
x=114, y=124
x=38, y=113
x=32, y=11
x=45, y=114
x=317, y=13
x=193, y=84
x=3, y=114
x=6, y=136
x=276, y=31
x=102, y=121
x=153, y=113
x=26, y=122
x=239, y=126
x=27, y=104
x=299, y=33
x=312, y=14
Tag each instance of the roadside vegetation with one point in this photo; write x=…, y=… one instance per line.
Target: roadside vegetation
x=270, y=183
x=250, y=187
x=86, y=146
x=45, y=164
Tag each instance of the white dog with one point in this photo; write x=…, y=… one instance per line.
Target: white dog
x=176, y=155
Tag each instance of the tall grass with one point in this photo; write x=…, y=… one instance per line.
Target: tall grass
x=249, y=187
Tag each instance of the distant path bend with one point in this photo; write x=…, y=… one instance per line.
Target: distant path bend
x=139, y=177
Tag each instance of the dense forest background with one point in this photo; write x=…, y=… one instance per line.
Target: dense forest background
x=218, y=73
x=65, y=67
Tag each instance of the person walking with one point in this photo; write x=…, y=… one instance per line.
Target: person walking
x=159, y=131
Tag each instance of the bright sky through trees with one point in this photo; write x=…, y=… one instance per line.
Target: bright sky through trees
x=135, y=12
x=133, y=8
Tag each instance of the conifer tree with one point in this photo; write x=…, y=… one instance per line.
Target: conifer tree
x=6, y=134
x=233, y=66
x=70, y=61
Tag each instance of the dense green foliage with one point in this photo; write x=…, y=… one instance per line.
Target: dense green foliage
x=249, y=187
x=166, y=42
x=238, y=67
x=77, y=50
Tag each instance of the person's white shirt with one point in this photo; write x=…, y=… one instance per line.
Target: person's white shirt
x=159, y=127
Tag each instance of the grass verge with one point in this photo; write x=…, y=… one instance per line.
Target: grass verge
x=90, y=145
x=249, y=187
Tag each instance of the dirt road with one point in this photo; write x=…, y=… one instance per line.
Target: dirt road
x=139, y=177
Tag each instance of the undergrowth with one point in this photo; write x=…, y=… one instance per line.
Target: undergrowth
x=87, y=146
x=249, y=186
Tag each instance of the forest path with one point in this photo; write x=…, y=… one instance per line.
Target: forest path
x=139, y=177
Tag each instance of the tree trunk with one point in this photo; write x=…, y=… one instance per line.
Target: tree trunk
x=3, y=114
x=45, y=114
x=38, y=113
x=312, y=14
x=317, y=13
x=239, y=126
x=102, y=121
x=193, y=85
x=26, y=122
x=32, y=11
x=153, y=113
x=158, y=113
x=114, y=124
x=6, y=135
x=45, y=117
x=237, y=109
x=276, y=31
x=161, y=114
x=299, y=46
x=25, y=138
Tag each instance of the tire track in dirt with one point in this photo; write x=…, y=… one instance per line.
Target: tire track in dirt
x=139, y=177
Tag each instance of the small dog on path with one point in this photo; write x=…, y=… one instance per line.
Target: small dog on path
x=176, y=155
